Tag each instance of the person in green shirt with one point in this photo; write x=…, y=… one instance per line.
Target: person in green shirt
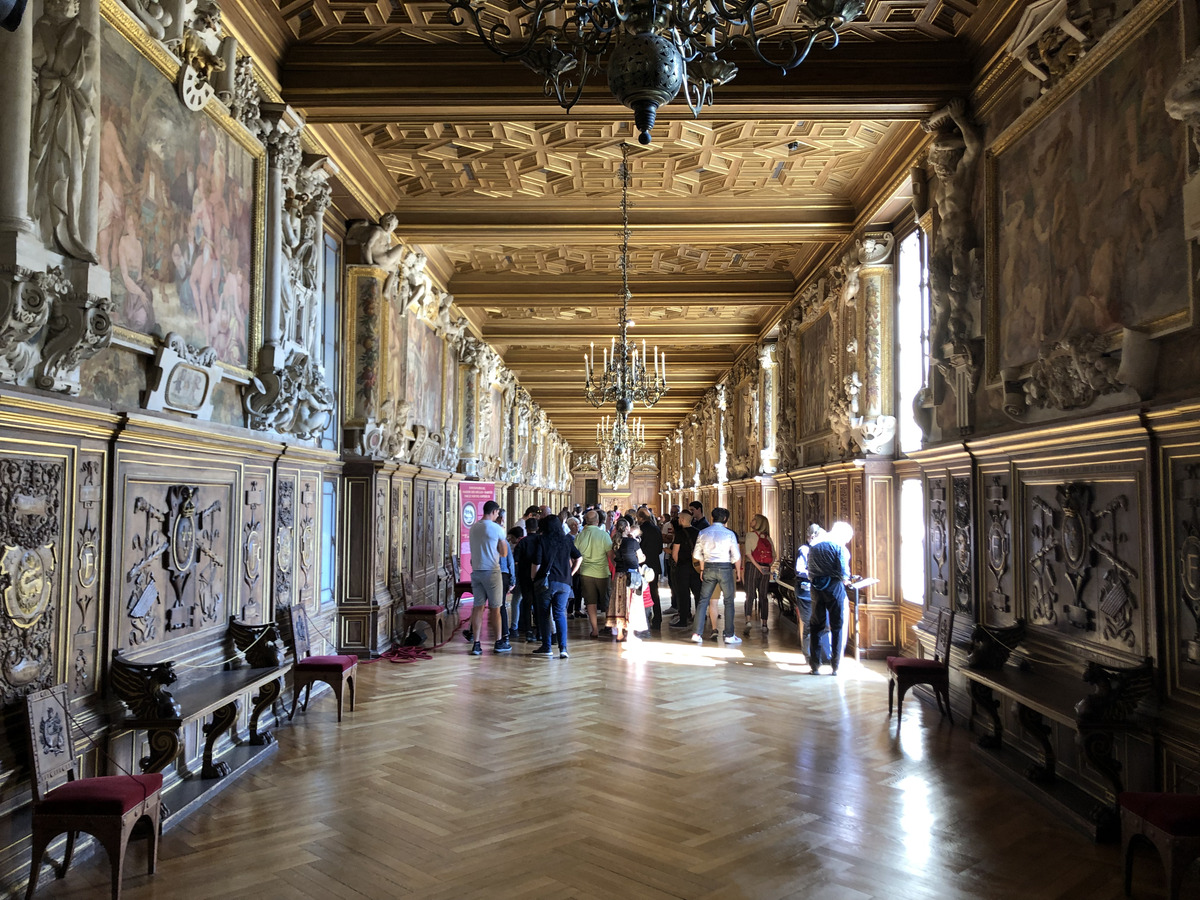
x=595, y=546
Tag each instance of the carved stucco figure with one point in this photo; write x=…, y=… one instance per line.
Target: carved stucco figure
x=954, y=155
x=378, y=249
x=65, y=65
x=1183, y=98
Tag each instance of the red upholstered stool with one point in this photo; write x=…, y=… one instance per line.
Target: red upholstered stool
x=1171, y=822
x=906, y=671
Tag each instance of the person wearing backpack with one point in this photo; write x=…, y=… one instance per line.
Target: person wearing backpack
x=760, y=553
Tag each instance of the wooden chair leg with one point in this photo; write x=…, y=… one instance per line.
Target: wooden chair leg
x=1127, y=840
x=155, y=823
x=68, y=852
x=891, y=691
x=337, y=690
x=352, y=679
x=900, y=691
x=116, y=857
x=40, y=843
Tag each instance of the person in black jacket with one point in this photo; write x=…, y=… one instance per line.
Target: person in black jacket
x=652, y=547
x=686, y=587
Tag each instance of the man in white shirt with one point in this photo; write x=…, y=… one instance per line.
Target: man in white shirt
x=719, y=558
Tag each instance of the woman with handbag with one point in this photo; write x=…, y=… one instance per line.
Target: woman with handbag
x=760, y=553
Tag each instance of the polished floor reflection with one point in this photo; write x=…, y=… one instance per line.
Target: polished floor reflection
x=649, y=769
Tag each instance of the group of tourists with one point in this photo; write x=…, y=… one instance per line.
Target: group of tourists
x=547, y=568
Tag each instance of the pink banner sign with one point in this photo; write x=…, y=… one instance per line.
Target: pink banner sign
x=471, y=497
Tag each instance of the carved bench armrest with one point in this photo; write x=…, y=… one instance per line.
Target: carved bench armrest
x=142, y=687
x=990, y=647
x=260, y=644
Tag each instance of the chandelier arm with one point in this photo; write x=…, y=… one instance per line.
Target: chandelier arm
x=798, y=49
x=493, y=36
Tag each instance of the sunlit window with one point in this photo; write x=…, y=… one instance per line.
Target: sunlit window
x=912, y=541
x=912, y=334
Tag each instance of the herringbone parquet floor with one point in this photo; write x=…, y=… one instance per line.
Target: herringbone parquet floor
x=652, y=770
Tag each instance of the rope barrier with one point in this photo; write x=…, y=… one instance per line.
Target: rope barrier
x=224, y=662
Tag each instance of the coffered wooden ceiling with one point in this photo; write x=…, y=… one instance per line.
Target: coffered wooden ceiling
x=517, y=203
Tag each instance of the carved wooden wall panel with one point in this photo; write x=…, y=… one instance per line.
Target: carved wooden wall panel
x=937, y=541
x=83, y=610
x=962, y=553
x=256, y=575
x=178, y=553
x=1179, y=502
x=996, y=530
x=308, y=529
x=397, y=556
x=35, y=514
x=285, y=539
x=1085, y=566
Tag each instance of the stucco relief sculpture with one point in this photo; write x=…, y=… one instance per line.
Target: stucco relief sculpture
x=1072, y=374
x=25, y=301
x=415, y=290
x=199, y=51
x=378, y=249
x=843, y=412
x=66, y=60
x=80, y=327
x=954, y=155
x=1046, y=42
x=291, y=400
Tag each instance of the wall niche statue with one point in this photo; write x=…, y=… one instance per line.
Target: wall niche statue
x=66, y=60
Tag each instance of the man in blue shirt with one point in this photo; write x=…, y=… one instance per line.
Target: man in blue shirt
x=487, y=584
x=829, y=572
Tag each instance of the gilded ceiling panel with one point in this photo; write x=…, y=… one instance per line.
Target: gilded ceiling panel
x=397, y=22
x=674, y=259
x=696, y=159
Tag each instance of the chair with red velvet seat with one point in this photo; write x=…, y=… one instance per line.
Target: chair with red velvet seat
x=432, y=614
x=905, y=671
x=108, y=807
x=1171, y=822
x=338, y=671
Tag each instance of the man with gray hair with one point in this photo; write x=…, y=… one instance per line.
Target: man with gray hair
x=829, y=573
x=595, y=546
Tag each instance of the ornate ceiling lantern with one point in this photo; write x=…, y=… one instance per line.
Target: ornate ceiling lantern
x=658, y=47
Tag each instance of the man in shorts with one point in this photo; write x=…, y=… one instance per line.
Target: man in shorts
x=488, y=545
x=595, y=546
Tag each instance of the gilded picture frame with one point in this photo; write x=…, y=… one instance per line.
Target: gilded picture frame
x=1052, y=274
x=176, y=265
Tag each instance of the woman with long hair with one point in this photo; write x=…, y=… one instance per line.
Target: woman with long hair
x=760, y=554
x=555, y=560
x=627, y=581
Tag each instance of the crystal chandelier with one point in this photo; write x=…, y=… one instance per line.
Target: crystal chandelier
x=655, y=48
x=623, y=378
x=619, y=441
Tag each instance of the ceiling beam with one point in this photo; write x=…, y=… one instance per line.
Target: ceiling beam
x=422, y=83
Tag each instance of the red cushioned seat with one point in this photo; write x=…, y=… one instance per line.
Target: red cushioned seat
x=107, y=795
x=334, y=663
x=1171, y=823
x=429, y=608
x=906, y=671
x=896, y=663
x=1176, y=814
x=108, y=807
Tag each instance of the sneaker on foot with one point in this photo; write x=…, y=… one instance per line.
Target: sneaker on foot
x=468, y=635
x=563, y=654
x=696, y=639
x=746, y=630
x=713, y=637
x=503, y=646
x=732, y=639
x=476, y=650
x=642, y=635
x=543, y=652
x=682, y=623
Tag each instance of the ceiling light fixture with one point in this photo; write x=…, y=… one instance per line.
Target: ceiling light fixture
x=655, y=48
x=619, y=440
x=623, y=378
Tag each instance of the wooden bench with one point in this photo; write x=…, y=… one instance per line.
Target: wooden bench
x=1045, y=699
x=162, y=713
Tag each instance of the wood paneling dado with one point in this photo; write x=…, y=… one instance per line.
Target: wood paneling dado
x=365, y=611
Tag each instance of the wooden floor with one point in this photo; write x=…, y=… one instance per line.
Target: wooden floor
x=657, y=769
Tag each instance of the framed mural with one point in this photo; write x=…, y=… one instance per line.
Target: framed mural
x=817, y=344
x=423, y=384
x=1100, y=142
x=181, y=194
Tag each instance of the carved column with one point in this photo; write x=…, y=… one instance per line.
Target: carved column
x=279, y=129
x=16, y=110
x=768, y=394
